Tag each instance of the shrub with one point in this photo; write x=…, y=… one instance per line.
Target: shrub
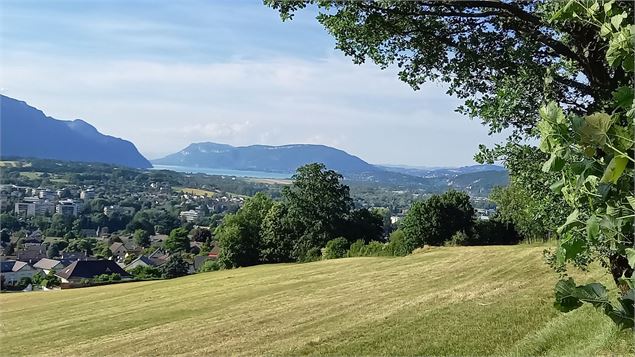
x=459, y=238
x=145, y=273
x=496, y=232
x=175, y=267
x=374, y=249
x=51, y=280
x=311, y=255
x=336, y=248
x=356, y=249
x=397, y=245
x=210, y=265
x=23, y=282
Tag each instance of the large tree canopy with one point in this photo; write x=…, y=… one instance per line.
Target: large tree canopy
x=494, y=54
x=507, y=60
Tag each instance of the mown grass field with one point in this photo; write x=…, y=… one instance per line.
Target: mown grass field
x=195, y=191
x=446, y=301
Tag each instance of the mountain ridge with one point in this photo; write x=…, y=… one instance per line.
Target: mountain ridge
x=267, y=158
x=28, y=132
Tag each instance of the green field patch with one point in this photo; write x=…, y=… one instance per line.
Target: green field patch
x=448, y=301
x=194, y=191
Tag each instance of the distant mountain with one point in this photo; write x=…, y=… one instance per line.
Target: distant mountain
x=283, y=159
x=28, y=132
x=441, y=171
x=477, y=180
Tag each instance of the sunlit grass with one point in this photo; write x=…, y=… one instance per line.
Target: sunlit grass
x=195, y=191
x=444, y=301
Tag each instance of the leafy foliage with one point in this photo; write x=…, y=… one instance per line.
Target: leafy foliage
x=593, y=156
x=142, y=238
x=177, y=241
x=175, y=267
x=239, y=235
x=436, y=219
x=143, y=272
x=336, y=248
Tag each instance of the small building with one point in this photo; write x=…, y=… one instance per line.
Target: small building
x=190, y=216
x=118, y=250
x=87, y=194
x=71, y=255
x=11, y=271
x=89, y=269
x=68, y=208
x=111, y=210
x=31, y=252
x=46, y=265
x=37, y=208
x=48, y=195
x=155, y=260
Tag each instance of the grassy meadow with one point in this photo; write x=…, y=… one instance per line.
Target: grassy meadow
x=444, y=301
x=195, y=191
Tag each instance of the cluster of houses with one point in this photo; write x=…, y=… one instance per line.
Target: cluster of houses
x=74, y=272
x=73, y=267
x=70, y=273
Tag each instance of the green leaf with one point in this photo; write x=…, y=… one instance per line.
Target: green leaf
x=593, y=228
x=614, y=169
x=621, y=137
x=572, y=248
x=552, y=113
x=631, y=201
x=557, y=186
x=593, y=130
x=594, y=293
x=624, y=316
x=555, y=163
x=572, y=220
x=565, y=296
x=605, y=30
x=616, y=20
x=623, y=97
x=630, y=255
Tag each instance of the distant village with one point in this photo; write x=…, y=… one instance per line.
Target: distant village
x=73, y=236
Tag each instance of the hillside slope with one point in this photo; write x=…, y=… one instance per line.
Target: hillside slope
x=448, y=301
x=27, y=132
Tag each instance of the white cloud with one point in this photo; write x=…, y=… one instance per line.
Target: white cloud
x=164, y=106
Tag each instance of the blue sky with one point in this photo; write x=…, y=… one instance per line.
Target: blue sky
x=164, y=74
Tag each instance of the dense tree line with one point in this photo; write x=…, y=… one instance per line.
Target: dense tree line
x=315, y=218
x=315, y=209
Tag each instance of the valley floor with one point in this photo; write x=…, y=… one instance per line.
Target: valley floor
x=446, y=301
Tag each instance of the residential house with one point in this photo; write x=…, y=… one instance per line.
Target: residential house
x=89, y=269
x=70, y=255
x=118, y=250
x=46, y=265
x=11, y=271
x=31, y=253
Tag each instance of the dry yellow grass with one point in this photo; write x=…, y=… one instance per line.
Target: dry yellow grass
x=195, y=191
x=444, y=301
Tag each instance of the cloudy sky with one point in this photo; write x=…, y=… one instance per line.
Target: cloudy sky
x=164, y=74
